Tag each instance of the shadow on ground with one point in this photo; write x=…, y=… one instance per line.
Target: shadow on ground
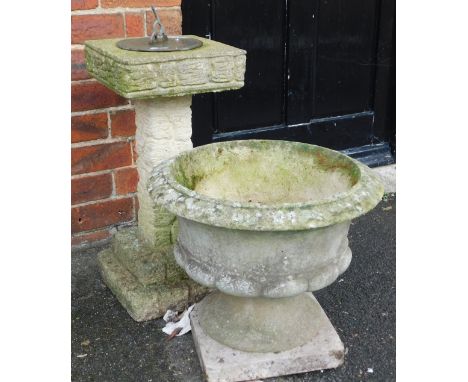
x=107, y=345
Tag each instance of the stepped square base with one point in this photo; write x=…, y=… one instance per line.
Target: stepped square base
x=146, y=302
x=221, y=363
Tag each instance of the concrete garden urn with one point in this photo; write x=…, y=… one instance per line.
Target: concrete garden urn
x=265, y=223
x=139, y=267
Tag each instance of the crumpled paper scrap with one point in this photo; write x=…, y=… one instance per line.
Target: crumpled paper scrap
x=183, y=324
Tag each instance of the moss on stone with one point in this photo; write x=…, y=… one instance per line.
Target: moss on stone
x=151, y=301
x=212, y=67
x=265, y=185
x=209, y=49
x=143, y=261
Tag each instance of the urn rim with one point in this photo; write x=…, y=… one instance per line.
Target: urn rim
x=360, y=198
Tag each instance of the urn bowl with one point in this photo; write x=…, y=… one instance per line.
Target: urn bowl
x=260, y=218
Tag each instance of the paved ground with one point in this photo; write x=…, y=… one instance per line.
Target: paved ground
x=107, y=345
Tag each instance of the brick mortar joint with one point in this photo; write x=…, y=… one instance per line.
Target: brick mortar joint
x=145, y=28
x=111, y=228
x=132, y=149
x=117, y=10
x=101, y=172
x=130, y=195
x=95, y=173
x=135, y=211
x=84, y=233
x=103, y=110
x=125, y=24
x=85, y=81
x=109, y=125
x=114, y=191
x=102, y=141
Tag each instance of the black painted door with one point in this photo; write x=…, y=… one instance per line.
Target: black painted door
x=318, y=71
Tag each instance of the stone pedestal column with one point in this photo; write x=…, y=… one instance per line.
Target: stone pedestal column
x=139, y=267
x=163, y=130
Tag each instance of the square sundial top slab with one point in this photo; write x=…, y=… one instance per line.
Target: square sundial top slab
x=213, y=67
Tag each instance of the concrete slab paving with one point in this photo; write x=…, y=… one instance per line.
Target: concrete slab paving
x=221, y=363
x=387, y=176
x=108, y=345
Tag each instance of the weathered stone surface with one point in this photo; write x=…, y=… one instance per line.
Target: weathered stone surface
x=264, y=221
x=262, y=263
x=146, y=302
x=163, y=130
x=387, y=175
x=221, y=363
x=148, y=264
x=258, y=324
x=264, y=218
x=212, y=67
x=267, y=186
x=141, y=266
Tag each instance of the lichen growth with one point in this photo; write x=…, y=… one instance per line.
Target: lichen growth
x=140, y=75
x=266, y=175
x=265, y=185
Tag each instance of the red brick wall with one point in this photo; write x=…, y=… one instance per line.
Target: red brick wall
x=103, y=154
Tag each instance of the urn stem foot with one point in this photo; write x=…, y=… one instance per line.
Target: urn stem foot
x=224, y=363
x=260, y=324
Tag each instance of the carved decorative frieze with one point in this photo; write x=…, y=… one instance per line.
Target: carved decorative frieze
x=212, y=67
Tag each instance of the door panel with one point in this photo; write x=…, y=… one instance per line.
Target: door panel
x=318, y=71
x=256, y=26
x=345, y=56
x=302, y=56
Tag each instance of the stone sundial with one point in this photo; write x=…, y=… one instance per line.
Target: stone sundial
x=160, y=73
